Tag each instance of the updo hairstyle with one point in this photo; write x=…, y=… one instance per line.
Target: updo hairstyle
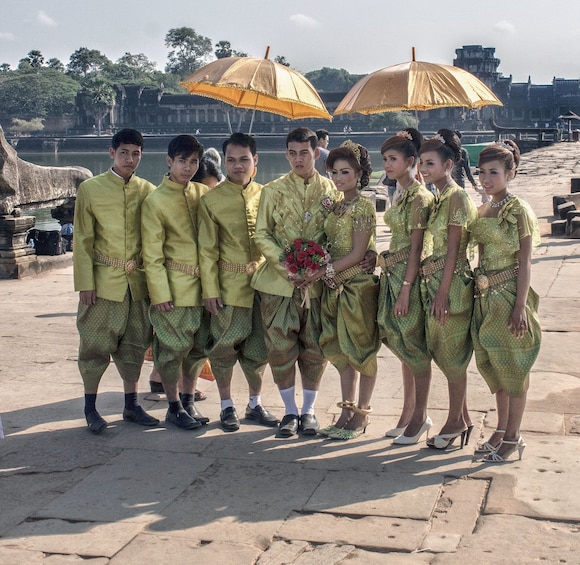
x=408, y=142
x=348, y=152
x=506, y=152
x=446, y=144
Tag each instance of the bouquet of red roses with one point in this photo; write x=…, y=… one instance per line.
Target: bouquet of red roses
x=303, y=258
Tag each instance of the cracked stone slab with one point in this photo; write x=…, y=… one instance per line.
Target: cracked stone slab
x=374, y=494
x=539, y=485
x=237, y=501
x=72, y=538
x=508, y=540
x=147, y=548
x=368, y=532
x=135, y=486
x=9, y=556
x=364, y=557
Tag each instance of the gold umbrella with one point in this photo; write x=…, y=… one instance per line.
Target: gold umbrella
x=258, y=84
x=416, y=86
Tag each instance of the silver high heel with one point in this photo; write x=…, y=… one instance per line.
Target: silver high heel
x=409, y=440
x=443, y=441
x=488, y=447
x=494, y=457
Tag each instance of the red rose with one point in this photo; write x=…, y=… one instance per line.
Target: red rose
x=292, y=269
x=301, y=256
x=298, y=244
x=289, y=259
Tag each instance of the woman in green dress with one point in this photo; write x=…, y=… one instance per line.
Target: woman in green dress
x=401, y=317
x=505, y=327
x=350, y=338
x=447, y=282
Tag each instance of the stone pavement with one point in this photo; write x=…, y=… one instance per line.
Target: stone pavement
x=160, y=495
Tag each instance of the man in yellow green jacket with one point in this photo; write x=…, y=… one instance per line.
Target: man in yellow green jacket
x=169, y=232
x=291, y=207
x=228, y=258
x=112, y=316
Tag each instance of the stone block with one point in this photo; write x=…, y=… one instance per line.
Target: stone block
x=556, y=201
x=559, y=227
x=381, y=204
x=572, y=214
x=574, y=232
x=575, y=185
x=564, y=208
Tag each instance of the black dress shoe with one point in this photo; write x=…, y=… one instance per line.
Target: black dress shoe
x=95, y=423
x=182, y=420
x=262, y=416
x=139, y=416
x=309, y=425
x=288, y=426
x=229, y=419
x=196, y=414
x=199, y=396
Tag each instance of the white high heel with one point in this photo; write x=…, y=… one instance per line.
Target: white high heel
x=494, y=457
x=488, y=447
x=394, y=432
x=409, y=440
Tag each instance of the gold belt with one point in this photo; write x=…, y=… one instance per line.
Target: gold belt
x=347, y=274
x=129, y=265
x=431, y=267
x=393, y=258
x=182, y=268
x=483, y=282
x=248, y=268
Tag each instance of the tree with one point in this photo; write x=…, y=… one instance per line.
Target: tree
x=34, y=60
x=393, y=121
x=24, y=126
x=47, y=92
x=97, y=99
x=189, y=50
x=224, y=49
x=55, y=64
x=139, y=61
x=84, y=61
x=332, y=80
x=281, y=60
x=4, y=67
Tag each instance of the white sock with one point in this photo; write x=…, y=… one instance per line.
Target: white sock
x=289, y=398
x=254, y=401
x=227, y=403
x=309, y=400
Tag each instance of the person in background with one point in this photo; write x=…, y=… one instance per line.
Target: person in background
x=228, y=259
x=209, y=171
x=323, y=138
x=505, y=328
x=462, y=169
x=112, y=315
x=170, y=256
x=401, y=317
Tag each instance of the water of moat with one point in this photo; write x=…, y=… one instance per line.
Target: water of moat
x=271, y=164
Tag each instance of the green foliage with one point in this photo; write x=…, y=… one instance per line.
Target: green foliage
x=281, y=60
x=394, y=121
x=34, y=60
x=55, y=64
x=97, y=98
x=332, y=80
x=224, y=49
x=86, y=61
x=189, y=50
x=37, y=93
x=24, y=126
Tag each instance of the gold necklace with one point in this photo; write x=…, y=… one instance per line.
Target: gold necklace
x=344, y=205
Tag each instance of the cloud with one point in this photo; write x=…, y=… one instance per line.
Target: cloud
x=304, y=21
x=44, y=19
x=506, y=26
x=6, y=36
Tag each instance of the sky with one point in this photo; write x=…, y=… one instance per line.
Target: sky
x=531, y=38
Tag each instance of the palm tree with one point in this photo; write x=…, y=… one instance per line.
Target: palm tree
x=97, y=99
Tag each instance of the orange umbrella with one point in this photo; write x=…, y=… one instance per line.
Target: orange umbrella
x=258, y=84
x=416, y=86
